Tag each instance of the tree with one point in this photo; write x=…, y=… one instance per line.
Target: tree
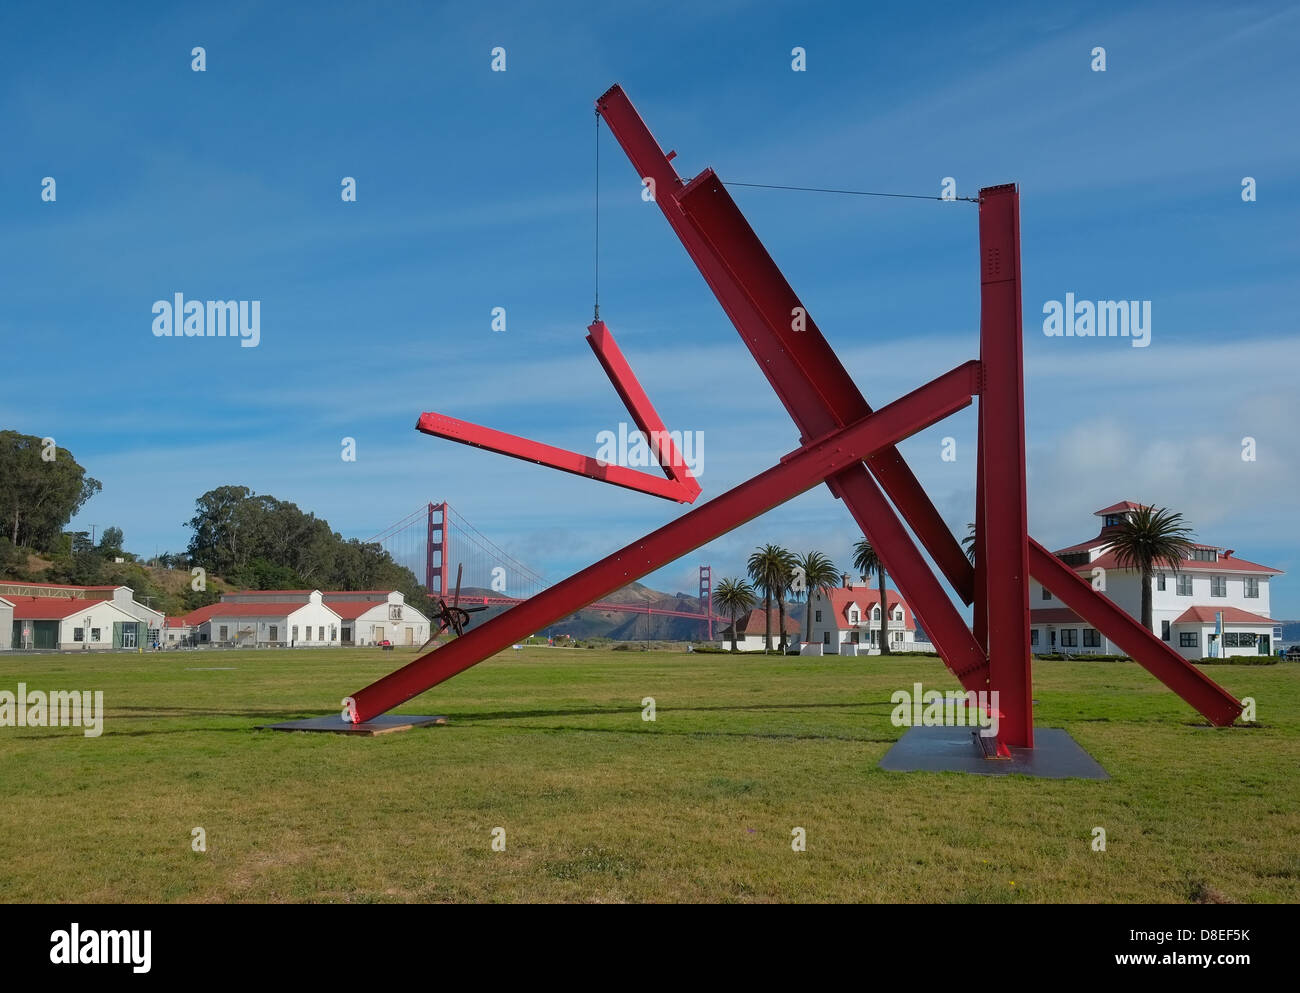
x=818, y=573
x=110, y=542
x=735, y=596
x=1150, y=538
x=39, y=497
x=771, y=569
x=866, y=561
x=968, y=543
x=260, y=542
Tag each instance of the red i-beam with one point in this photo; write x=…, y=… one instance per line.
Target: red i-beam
x=853, y=450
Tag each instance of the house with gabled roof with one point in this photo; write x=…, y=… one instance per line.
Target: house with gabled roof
x=1187, y=601
x=847, y=620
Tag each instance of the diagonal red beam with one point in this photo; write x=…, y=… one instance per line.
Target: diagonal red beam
x=1217, y=704
x=639, y=406
x=798, y=472
x=492, y=440
x=802, y=368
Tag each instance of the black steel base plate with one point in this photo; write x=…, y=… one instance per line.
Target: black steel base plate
x=1055, y=755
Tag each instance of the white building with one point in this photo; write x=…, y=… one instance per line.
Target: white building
x=73, y=623
x=847, y=620
x=151, y=620
x=1184, y=603
x=302, y=618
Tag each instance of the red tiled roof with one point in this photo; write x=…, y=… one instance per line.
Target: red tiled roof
x=350, y=610
x=271, y=592
x=1117, y=508
x=57, y=586
x=1108, y=560
x=751, y=623
x=1231, y=615
x=49, y=608
x=866, y=598
x=1054, y=615
x=196, y=616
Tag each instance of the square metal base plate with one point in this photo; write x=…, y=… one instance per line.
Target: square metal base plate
x=1055, y=755
x=334, y=723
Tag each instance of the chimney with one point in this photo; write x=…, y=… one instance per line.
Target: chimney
x=844, y=580
x=1227, y=553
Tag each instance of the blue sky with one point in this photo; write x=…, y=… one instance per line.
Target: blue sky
x=475, y=191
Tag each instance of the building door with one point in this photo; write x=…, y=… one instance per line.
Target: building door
x=1264, y=645
x=128, y=635
x=410, y=636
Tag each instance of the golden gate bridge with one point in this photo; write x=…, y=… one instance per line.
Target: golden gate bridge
x=435, y=539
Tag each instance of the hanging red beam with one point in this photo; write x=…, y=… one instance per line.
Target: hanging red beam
x=679, y=485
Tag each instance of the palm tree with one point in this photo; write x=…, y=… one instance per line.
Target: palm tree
x=735, y=596
x=968, y=543
x=1150, y=538
x=771, y=569
x=819, y=573
x=866, y=561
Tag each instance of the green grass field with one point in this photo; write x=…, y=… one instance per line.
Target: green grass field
x=599, y=805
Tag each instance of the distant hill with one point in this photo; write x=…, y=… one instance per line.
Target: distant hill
x=1290, y=631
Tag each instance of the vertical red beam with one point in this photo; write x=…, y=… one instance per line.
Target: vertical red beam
x=981, y=616
x=1003, y=518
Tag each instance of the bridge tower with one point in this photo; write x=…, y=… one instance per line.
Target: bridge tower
x=706, y=595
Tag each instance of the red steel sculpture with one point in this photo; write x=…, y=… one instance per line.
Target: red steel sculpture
x=851, y=448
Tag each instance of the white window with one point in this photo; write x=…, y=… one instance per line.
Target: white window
x=1160, y=581
x=78, y=634
x=222, y=635
x=295, y=632
x=853, y=616
x=1218, y=586
x=320, y=633
x=275, y=632
x=1252, y=587
x=875, y=613
x=94, y=634
x=1184, y=584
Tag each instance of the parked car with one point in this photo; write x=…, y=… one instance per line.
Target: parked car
x=1293, y=654
x=386, y=645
